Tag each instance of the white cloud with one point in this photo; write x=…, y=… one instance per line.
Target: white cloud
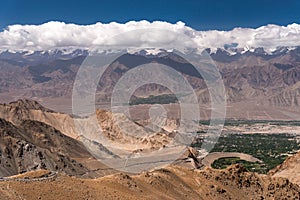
x=142, y=34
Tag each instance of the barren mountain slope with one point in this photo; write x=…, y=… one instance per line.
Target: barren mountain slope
x=18, y=111
x=289, y=169
x=268, y=81
x=34, y=145
x=30, y=124
x=168, y=183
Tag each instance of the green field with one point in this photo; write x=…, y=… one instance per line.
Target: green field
x=160, y=99
x=250, y=166
x=270, y=148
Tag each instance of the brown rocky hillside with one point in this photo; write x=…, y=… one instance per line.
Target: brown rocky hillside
x=289, y=169
x=167, y=183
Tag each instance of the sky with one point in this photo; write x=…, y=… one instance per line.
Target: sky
x=198, y=14
x=45, y=25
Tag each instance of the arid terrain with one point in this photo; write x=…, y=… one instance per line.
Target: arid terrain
x=167, y=183
x=259, y=85
x=42, y=159
x=45, y=156
x=290, y=169
x=150, y=100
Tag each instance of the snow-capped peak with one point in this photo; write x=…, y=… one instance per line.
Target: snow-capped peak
x=154, y=51
x=149, y=51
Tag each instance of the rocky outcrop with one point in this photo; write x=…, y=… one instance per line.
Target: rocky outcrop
x=18, y=111
x=121, y=130
x=289, y=169
x=34, y=145
x=189, y=159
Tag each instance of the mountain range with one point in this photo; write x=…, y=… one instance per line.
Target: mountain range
x=267, y=82
x=68, y=131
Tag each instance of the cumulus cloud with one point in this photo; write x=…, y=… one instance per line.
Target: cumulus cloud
x=142, y=34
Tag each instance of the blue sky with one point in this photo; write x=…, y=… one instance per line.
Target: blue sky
x=198, y=14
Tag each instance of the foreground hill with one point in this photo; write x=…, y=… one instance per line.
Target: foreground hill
x=168, y=183
x=290, y=169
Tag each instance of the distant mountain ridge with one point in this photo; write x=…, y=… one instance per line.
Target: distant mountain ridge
x=67, y=53
x=252, y=76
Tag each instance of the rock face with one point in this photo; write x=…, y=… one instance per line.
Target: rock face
x=289, y=169
x=18, y=111
x=34, y=145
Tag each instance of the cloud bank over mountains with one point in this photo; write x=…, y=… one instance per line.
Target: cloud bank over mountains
x=158, y=34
